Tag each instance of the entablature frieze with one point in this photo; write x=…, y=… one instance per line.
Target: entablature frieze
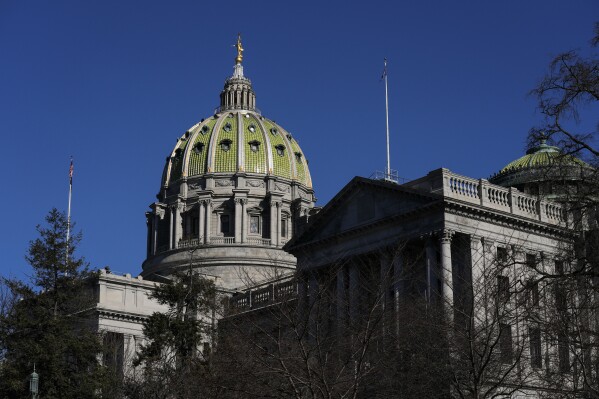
x=510, y=221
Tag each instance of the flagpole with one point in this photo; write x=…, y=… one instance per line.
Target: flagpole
x=388, y=171
x=69, y=209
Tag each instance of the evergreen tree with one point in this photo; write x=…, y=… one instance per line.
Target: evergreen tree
x=175, y=359
x=47, y=325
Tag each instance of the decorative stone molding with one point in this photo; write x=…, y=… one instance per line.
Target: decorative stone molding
x=254, y=183
x=224, y=183
x=282, y=187
x=446, y=235
x=195, y=186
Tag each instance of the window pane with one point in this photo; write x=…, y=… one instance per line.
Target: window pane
x=224, y=223
x=505, y=342
x=536, y=358
x=284, y=228
x=254, y=224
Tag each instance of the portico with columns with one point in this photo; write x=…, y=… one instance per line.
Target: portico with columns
x=422, y=239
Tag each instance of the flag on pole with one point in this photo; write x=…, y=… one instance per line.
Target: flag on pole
x=71, y=172
x=384, y=75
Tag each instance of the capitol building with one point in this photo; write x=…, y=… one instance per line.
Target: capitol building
x=236, y=204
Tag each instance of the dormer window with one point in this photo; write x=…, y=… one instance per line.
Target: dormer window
x=198, y=148
x=187, y=134
x=274, y=131
x=225, y=145
x=254, y=145
x=227, y=127
x=204, y=129
x=280, y=149
x=289, y=137
x=178, y=152
x=298, y=156
x=252, y=128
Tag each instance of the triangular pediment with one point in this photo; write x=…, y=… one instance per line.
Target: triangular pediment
x=362, y=203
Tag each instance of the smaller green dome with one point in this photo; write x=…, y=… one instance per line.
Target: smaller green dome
x=541, y=156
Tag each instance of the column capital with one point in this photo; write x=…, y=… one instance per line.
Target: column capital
x=446, y=235
x=241, y=201
x=275, y=203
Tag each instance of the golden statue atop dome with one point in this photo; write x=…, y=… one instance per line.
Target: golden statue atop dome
x=239, y=57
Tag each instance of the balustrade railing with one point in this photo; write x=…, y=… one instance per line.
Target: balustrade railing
x=481, y=192
x=258, y=241
x=222, y=240
x=189, y=243
x=262, y=296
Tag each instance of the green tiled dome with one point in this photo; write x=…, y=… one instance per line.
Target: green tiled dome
x=541, y=156
x=235, y=141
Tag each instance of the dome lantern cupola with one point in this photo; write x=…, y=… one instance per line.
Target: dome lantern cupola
x=238, y=92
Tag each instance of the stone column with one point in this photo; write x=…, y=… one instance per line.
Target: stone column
x=475, y=277
x=354, y=292
x=149, y=224
x=201, y=221
x=208, y=221
x=171, y=226
x=238, y=217
x=279, y=206
x=178, y=225
x=155, y=232
x=244, y=220
x=274, y=233
x=447, y=271
x=341, y=301
x=431, y=270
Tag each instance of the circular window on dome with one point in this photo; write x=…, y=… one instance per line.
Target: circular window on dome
x=280, y=149
x=254, y=145
x=289, y=137
x=204, y=129
x=227, y=127
x=298, y=156
x=274, y=131
x=178, y=152
x=198, y=148
x=225, y=145
x=252, y=128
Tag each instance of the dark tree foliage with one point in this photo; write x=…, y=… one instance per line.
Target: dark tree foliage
x=46, y=325
x=568, y=97
x=568, y=91
x=176, y=356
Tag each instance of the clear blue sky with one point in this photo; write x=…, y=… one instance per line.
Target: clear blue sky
x=115, y=83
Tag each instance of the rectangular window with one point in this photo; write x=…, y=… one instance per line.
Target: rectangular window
x=255, y=224
x=195, y=226
x=284, y=228
x=536, y=357
x=224, y=224
x=503, y=288
x=533, y=293
x=531, y=261
x=505, y=343
x=563, y=349
x=502, y=255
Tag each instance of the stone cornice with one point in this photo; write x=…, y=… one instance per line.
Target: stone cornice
x=457, y=207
